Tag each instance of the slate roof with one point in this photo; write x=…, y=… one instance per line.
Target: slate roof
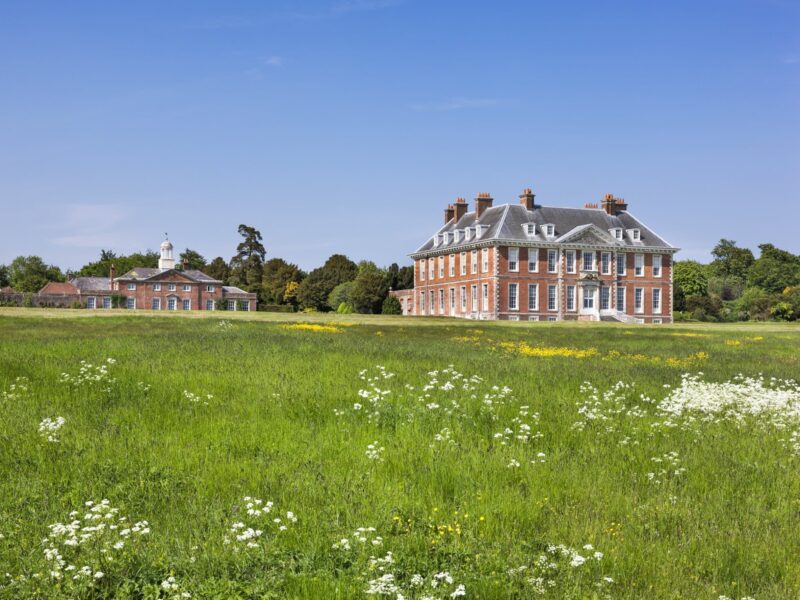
x=144, y=273
x=59, y=287
x=92, y=284
x=505, y=223
x=230, y=289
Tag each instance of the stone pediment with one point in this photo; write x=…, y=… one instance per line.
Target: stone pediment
x=172, y=276
x=588, y=235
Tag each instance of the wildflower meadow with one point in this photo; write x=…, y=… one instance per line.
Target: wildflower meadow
x=315, y=457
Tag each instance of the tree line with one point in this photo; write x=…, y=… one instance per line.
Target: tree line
x=338, y=285
x=737, y=286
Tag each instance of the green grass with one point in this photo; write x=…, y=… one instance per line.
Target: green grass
x=729, y=525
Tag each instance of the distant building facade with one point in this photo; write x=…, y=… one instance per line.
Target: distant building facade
x=162, y=288
x=530, y=262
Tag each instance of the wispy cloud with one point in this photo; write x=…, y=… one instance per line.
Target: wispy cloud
x=350, y=6
x=273, y=61
x=326, y=10
x=462, y=104
x=89, y=225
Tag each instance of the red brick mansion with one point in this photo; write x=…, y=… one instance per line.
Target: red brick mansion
x=530, y=262
x=162, y=288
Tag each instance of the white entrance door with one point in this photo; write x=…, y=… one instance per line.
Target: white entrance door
x=589, y=301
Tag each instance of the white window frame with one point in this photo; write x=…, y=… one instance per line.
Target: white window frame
x=571, y=298
x=155, y=304
x=231, y=305
x=156, y=287
x=533, y=317
x=187, y=287
x=513, y=296
x=462, y=259
x=533, y=296
x=513, y=259
x=106, y=302
x=132, y=286
x=186, y=304
x=484, y=260
x=91, y=302
x=422, y=269
x=530, y=228
x=550, y=230
x=468, y=234
x=172, y=304
x=636, y=235
x=638, y=265
x=432, y=303
x=171, y=287
x=605, y=298
x=552, y=297
x=463, y=298
x=485, y=297
x=245, y=305
x=441, y=267
x=605, y=263
x=422, y=303
x=638, y=300
x=210, y=305
x=210, y=289
x=569, y=259
x=552, y=261
x=656, y=301
x=534, y=252
x=432, y=268
x=474, y=260
x=473, y=299
x=452, y=299
x=620, y=296
x=130, y=303
x=592, y=263
x=513, y=317
x=622, y=259
x=657, y=270
x=451, y=260
x=588, y=299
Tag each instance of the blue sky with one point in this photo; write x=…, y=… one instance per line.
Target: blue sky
x=348, y=125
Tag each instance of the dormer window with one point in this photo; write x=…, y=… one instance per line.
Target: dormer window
x=447, y=237
x=550, y=230
x=457, y=235
x=635, y=234
x=468, y=233
x=530, y=228
x=479, y=230
x=436, y=240
x=616, y=233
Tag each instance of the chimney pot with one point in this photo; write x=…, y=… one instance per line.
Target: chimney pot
x=461, y=208
x=528, y=199
x=449, y=213
x=482, y=202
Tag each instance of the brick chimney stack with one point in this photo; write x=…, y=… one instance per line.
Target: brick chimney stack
x=526, y=198
x=185, y=264
x=614, y=206
x=461, y=207
x=112, y=273
x=449, y=213
x=482, y=201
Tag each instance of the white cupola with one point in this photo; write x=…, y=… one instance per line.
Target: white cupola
x=166, y=261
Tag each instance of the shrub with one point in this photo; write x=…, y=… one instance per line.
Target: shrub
x=281, y=308
x=704, y=308
x=76, y=304
x=391, y=306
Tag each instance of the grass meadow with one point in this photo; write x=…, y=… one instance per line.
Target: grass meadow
x=293, y=456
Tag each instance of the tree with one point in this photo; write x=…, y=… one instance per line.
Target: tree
x=122, y=264
x=277, y=275
x=195, y=259
x=775, y=270
x=689, y=279
x=315, y=289
x=246, y=268
x=30, y=273
x=730, y=261
x=400, y=278
x=391, y=306
x=340, y=295
x=218, y=269
x=290, y=294
x=369, y=290
x=4, y=276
